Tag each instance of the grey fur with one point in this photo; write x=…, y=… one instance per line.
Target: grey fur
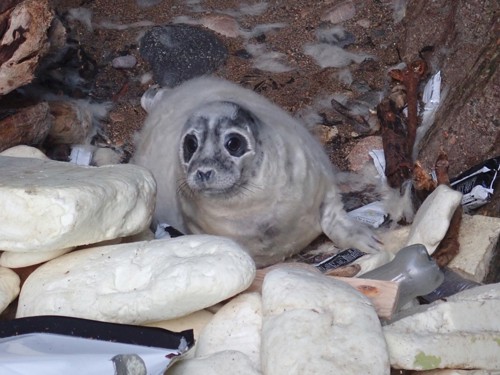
x=274, y=198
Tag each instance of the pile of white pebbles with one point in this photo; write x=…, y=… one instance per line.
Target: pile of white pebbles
x=302, y=322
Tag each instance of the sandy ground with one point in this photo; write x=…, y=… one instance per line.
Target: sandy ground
x=454, y=38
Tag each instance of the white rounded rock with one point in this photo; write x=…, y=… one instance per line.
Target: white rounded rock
x=314, y=324
x=236, y=326
x=23, y=151
x=14, y=259
x=461, y=332
x=195, y=321
x=47, y=205
x=9, y=287
x=139, y=282
x=227, y=362
x=433, y=218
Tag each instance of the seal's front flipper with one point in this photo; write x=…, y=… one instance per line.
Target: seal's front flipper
x=344, y=231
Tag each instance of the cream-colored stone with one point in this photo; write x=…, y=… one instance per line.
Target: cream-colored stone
x=139, y=282
x=369, y=262
x=478, y=238
x=195, y=321
x=221, y=363
x=47, y=205
x=22, y=151
x=463, y=332
x=432, y=219
x=314, y=324
x=236, y=326
x=394, y=239
x=9, y=287
x=15, y=259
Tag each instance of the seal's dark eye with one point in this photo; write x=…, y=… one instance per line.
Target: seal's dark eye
x=189, y=147
x=236, y=144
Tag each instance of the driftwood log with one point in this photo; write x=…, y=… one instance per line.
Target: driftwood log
x=24, y=29
x=26, y=126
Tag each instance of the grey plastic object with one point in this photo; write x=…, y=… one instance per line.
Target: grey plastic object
x=413, y=269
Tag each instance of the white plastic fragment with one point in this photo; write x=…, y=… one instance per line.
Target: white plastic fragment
x=314, y=324
x=433, y=218
x=373, y=214
x=47, y=205
x=463, y=332
x=81, y=154
x=9, y=287
x=139, y=282
x=378, y=157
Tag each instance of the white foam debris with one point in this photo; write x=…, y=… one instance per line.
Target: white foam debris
x=327, y=55
x=270, y=61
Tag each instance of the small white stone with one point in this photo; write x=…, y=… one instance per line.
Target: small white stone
x=314, y=324
x=22, y=151
x=222, y=24
x=433, y=218
x=462, y=332
x=478, y=238
x=47, y=205
x=342, y=12
x=139, y=282
x=15, y=259
x=124, y=62
x=9, y=287
x=236, y=326
x=221, y=363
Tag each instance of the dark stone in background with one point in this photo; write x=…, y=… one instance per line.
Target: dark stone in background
x=180, y=52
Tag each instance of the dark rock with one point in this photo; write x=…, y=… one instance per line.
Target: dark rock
x=180, y=52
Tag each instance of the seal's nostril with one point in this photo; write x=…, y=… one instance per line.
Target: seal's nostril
x=204, y=176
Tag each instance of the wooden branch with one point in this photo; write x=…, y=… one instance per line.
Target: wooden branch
x=449, y=246
x=398, y=166
x=410, y=78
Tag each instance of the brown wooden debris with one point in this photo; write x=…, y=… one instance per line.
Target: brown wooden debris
x=410, y=78
x=25, y=126
x=349, y=270
x=23, y=41
x=398, y=166
x=449, y=245
x=71, y=123
x=441, y=167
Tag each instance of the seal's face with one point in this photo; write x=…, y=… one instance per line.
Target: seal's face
x=219, y=149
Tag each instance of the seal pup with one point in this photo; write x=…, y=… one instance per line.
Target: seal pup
x=229, y=162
